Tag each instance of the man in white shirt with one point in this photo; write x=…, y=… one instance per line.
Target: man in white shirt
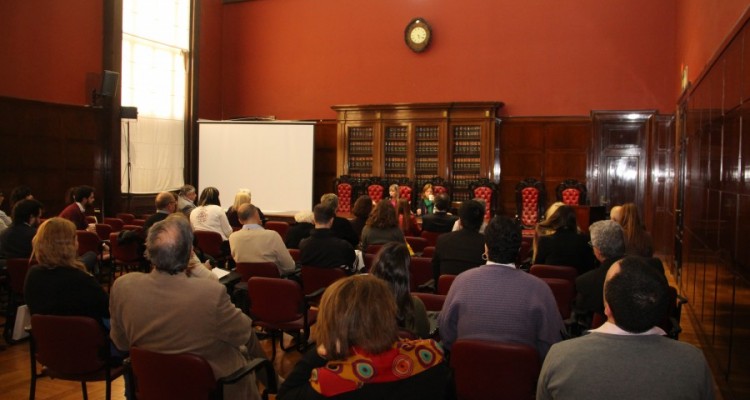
x=253, y=243
x=628, y=357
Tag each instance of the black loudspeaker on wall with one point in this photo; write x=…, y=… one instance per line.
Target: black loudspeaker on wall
x=107, y=89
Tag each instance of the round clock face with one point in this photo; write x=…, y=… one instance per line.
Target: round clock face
x=417, y=35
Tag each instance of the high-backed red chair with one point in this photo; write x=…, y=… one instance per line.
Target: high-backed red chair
x=278, y=306
x=248, y=270
x=554, y=271
x=280, y=227
x=486, y=190
x=530, y=200
x=571, y=192
x=209, y=243
x=494, y=370
x=375, y=188
x=406, y=190
x=115, y=223
x=71, y=348
x=420, y=272
x=440, y=186
x=345, y=188
x=564, y=292
x=444, y=283
x=187, y=376
x=417, y=244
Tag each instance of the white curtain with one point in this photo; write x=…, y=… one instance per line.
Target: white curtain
x=155, y=47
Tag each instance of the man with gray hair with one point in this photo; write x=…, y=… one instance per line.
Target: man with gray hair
x=186, y=199
x=341, y=227
x=253, y=243
x=167, y=312
x=608, y=241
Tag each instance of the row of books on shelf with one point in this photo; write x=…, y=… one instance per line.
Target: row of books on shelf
x=467, y=132
x=464, y=164
x=361, y=148
x=427, y=134
x=360, y=134
x=427, y=148
x=466, y=147
x=360, y=163
x=396, y=134
x=426, y=165
x=395, y=147
x=461, y=196
x=389, y=165
x=463, y=181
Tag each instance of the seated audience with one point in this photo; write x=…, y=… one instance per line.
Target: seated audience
x=382, y=226
x=609, y=246
x=209, y=216
x=186, y=199
x=341, y=226
x=242, y=197
x=565, y=245
x=630, y=346
x=166, y=312
x=361, y=211
x=166, y=204
x=499, y=302
x=426, y=201
x=458, y=251
x=324, y=249
x=305, y=223
x=392, y=265
x=393, y=195
x=20, y=193
x=406, y=220
x=16, y=241
x=638, y=241
x=439, y=220
x=359, y=355
x=457, y=225
x=59, y=284
x=253, y=243
x=83, y=197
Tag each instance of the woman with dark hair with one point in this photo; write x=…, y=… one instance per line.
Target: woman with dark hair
x=361, y=211
x=392, y=265
x=406, y=220
x=382, y=226
x=566, y=246
x=359, y=355
x=209, y=216
x=427, y=201
x=638, y=241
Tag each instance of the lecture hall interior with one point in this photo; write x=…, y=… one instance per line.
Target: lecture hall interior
x=639, y=101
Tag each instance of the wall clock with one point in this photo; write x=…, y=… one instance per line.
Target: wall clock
x=418, y=35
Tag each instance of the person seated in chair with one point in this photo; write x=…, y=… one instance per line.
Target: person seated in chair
x=166, y=204
x=305, y=224
x=253, y=243
x=15, y=242
x=323, y=249
x=461, y=250
x=341, y=226
x=630, y=345
x=439, y=220
x=83, y=197
x=186, y=199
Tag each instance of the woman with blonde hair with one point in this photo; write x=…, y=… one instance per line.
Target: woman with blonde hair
x=638, y=241
x=59, y=284
x=240, y=198
x=359, y=354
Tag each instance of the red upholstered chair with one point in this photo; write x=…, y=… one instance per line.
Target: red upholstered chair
x=554, y=271
x=405, y=190
x=494, y=370
x=295, y=253
x=125, y=255
x=417, y=244
x=564, y=292
x=420, y=272
x=571, y=192
x=90, y=219
x=16, y=269
x=209, y=242
x=376, y=189
x=127, y=218
x=369, y=261
x=440, y=186
x=428, y=251
x=315, y=279
x=444, y=283
x=89, y=241
x=187, y=376
x=432, y=301
x=279, y=226
x=373, y=248
x=345, y=188
x=530, y=200
x=73, y=349
x=248, y=270
x=431, y=237
x=138, y=221
x=486, y=190
x=103, y=231
x=115, y=223
x=278, y=306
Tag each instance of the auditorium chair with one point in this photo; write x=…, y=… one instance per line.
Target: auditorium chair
x=248, y=270
x=345, y=188
x=71, y=348
x=494, y=370
x=187, y=376
x=444, y=284
x=126, y=218
x=115, y=223
x=316, y=279
x=417, y=244
x=278, y=306
x=431, y=237
x=554, y=271
x=571, y=192
x=16, y=270
x=439, y=186
x=210, y=243
x=295, y=253
x=103, y=231
x=280, y=227
x=428, y=251
x=405, y=190
x=126, y=255
x=530, y=201
x=432, y=301
x=375, y=188
x=486, y=190
x=564, y=292
x=420, y=273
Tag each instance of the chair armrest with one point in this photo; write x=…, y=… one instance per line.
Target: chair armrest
x=427, y=287
x=315, y=294
x=294, y=273
x=252, y=366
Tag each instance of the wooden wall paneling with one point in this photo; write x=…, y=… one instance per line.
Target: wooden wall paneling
x=658, y=216
x=324, y=163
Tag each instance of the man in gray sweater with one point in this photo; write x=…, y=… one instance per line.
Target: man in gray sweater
x=628, y=357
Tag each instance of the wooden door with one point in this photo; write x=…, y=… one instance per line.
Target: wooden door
x=620, y=157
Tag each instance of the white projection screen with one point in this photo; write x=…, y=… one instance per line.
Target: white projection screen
x=274, y=160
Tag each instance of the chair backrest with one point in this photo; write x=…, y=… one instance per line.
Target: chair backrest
x=274, y=300
x=88, y=241
x=115, y=223
x=564, y=292
x=209, y=242
x=171, y=376
x=428, y=251
x=484, y=189
x=90, y=219
x=432, y=301
x=571, y=192
x=138, y=222
x=280, y=227
x=69, y=345
x=369, y=261
x=417, y=244
x=250, y=269
x=444, y=283
x=405, y=190
x=295, y=253
x=126, y=218
x=103, y=231
x=125, y=252
x=314, y=278
x=17, y=269
x=494, y=370
x=431, y=237
x=420, y=271
x=373, y=248
x=344, y=188
x=375, y=189
x=530, y=200
x=440, y=186
x=554, y=271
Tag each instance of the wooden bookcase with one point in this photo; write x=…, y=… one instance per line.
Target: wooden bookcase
x=455, y=141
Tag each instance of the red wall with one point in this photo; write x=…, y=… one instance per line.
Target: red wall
x=294, y=58
x=48, y=46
